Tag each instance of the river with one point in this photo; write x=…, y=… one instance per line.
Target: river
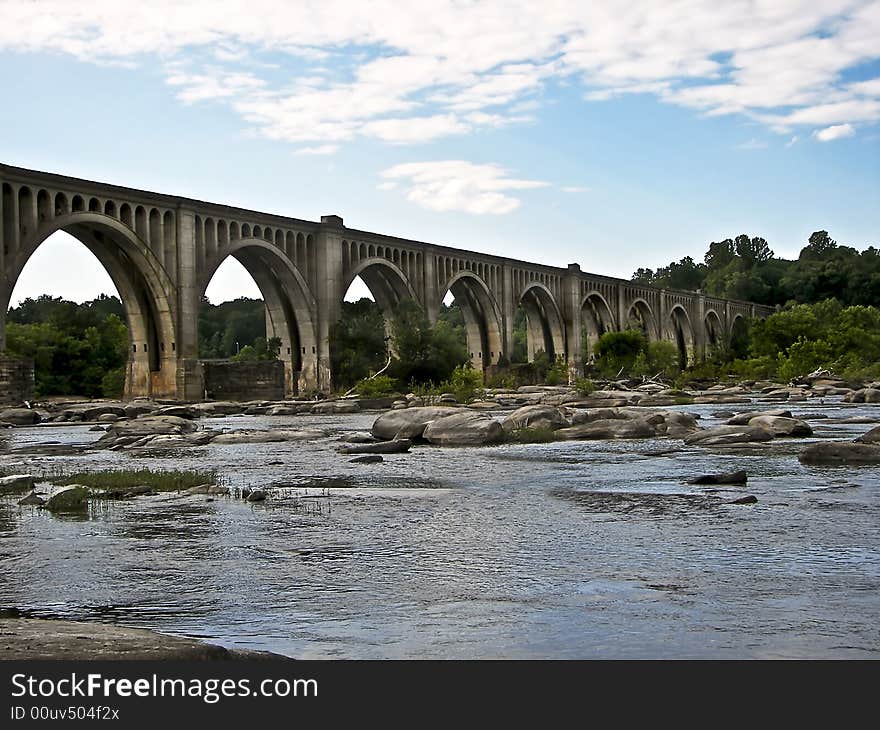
x=593, y=549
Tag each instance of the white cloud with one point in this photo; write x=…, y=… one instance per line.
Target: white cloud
x=792, y=141
x=323, y=149
x=575, y=189
x=458, y=185
x=836, y=131
x=403, y=75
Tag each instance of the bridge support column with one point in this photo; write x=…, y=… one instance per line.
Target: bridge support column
x=508, y=310
x=190, y=377
x=327, y=292
x=571, y=314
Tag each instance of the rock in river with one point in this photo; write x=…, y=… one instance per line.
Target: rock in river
x=32, y=498
x=408, y=422
x=16, y=483
x=394, y=446
x=840, y=452
x=72, y=498
x=545, y=417
x=20, y=416
x=872, y=437
x=732, y=477
x=465, y=428
x=609, y=428
x=748, y=499
x=724, y=435
x=742, y=419
x=782, y=426
x=368, y=459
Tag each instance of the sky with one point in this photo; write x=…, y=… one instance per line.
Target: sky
x=617, y=135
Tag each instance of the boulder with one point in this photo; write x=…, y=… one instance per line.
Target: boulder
x=538, y=416
x=109, y=417
x=596, y=414
x=138, y=408
x=358, y=437
x=32, y=498
x=408, y=422
x=782, y=426
x=732, y=477
x=871, y=437
x=20, y=416
x=864, y=395
x=72, y=498
x=839, y=452
x=742, y=419
x=676, y=424
x=395, y=446
x=467, y=428
x=609, y=428
x=257, y=495
x=218, y=408
x=122, y=434
x=16, y=483
x=286, y=409
x=724, y=435
x=187, y=412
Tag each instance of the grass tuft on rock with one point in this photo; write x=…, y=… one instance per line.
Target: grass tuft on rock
x=530, y=436
x=120, y=479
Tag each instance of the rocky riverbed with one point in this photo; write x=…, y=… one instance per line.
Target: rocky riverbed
x=441, y=530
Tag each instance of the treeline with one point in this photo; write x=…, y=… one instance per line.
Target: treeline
x=746, y=268
x=79, y=349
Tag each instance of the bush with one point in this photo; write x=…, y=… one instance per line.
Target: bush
x=113, y=383
x=616, y=352
x=585, y=386
x=466, y=384
x=557, y=374
x=376, y=387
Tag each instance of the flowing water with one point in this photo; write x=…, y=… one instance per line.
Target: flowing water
x=563, y=550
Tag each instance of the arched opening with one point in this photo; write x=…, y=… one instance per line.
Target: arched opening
x=469, y=305
x=714, y=333
x=360, y=339
x=543, y=323
x=256, y=307
x=683, y=335
x=641, y=317
x=51, y=261
x=739, y=337
x=597, y=319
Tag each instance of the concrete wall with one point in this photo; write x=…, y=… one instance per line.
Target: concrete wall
x=16, y=380
x=243, y=381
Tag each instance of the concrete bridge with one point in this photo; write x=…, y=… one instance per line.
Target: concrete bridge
x=162, y=250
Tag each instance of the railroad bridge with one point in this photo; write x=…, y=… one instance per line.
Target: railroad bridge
x=161, y=252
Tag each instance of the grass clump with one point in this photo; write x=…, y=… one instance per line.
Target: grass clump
x=530, y=436
x=121, y=479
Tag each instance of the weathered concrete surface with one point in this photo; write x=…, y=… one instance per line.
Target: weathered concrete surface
x=33, y=638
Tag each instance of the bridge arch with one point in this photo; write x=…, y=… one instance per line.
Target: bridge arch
x=596, y=317
x=714, y=330
x=682, y=332
x=146, y=290
x=545, y=328
x=387, y=283
x=290, y=306
x=482, y=317
x=641, y=316
x=738, y=337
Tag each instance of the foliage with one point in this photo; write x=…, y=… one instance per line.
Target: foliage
x=558, y=373
x=357, y=343
x=746, y=268
x=465, y=383
x=376, y=387
x=585, y=386
x=618, y=351
x=161, y=481
x=421, y=352
x=228, y=328
x=74, y=346
x=261, y=349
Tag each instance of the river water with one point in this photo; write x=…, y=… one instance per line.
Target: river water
x=563, y=550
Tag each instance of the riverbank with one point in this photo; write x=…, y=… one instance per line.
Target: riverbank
x=23, y=638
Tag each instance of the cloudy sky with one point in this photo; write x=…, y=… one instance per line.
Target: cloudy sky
x=612, y=134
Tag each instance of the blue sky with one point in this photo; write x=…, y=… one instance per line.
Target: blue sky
x=616, y=136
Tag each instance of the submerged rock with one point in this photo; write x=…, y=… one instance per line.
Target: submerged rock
x=368, y=459
x=395, y=446
x=840, y=452
x=275, y=435
x=733, y=477
x=16, y=483
x=748, y=499
x=257, y=495
x=871, y=437
x=32, y=499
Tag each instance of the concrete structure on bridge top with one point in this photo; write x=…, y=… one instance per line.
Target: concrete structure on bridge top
x=162, y=250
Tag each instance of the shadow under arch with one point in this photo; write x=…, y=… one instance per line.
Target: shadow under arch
x=738, y=337
x=290, y=306
x=642, y=317
x=544, y=324
x=714, y=330
x=482, y=317
x=144, y=286
x=597, y=319
x=682, y=333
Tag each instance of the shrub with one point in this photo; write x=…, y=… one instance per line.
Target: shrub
x=113, y=383
x=585, y=386
x=376, y=387
x=465, y=383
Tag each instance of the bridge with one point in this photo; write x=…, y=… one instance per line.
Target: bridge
x=161, y=252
